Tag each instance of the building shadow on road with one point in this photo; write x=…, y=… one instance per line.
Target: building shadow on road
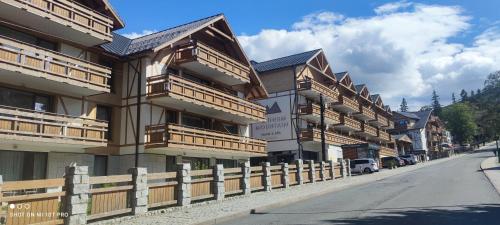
x=436, y=215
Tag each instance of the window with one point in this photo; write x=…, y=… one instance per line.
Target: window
x=228, y=163
x=171, y=116
x=15, y=166
x=27, y=38
x=101, y=165
x=192, y=121
x=25, y=100
x=197, y=163
x=104, y=113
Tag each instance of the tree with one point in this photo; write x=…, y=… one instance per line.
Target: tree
x=463, y=95
x=404, y=106
x=425, y=108
x=459, y=120
x=471, y=93
x=478, y=92
x=493, y=81
x=453, y=98
x=435, y=103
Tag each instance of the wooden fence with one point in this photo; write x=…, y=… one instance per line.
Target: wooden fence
x=256, y=178
x=201, y=184
x=162, y=189
x=233, y=181
x=109, y=196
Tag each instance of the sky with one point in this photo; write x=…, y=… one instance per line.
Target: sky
x=398, y=48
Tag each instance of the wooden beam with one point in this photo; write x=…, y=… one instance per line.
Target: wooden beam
x=211, y=27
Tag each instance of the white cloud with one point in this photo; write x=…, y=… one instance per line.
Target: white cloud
x=402, y=51
x=134, y=35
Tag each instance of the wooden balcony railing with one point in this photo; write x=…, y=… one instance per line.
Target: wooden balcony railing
x=51, y=127
x=313, y=134
x=368, y=113
x=354, y=105
x=71, y=14
x=386, y=151
x=198, y=51
x=317, y=87
x=52, y=65
x=350, y=122
x=178, y=136
x=315, y=110
x=372, y=131
x=390, y=124
x=383, y=135
x=200, y=94
x=381, y=120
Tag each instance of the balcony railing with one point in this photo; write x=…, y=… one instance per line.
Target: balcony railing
x=314, y=111
x=384, y=136
x=314, y=135
x=386, y=151
x=349, y=123
x=69, y=13
x=202, y=53
x=190, y=92
x=32, y=60
x=365, y=113
x=346, y=105
x=313, y=89
x=369, y=130
x=379, y=121
x=390, y=124
x=28, y=125
x=178, y=136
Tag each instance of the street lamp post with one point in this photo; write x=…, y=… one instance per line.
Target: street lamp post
x=498, y=150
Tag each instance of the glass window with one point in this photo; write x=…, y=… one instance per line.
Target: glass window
x=228, y=163
x=15, y=166
x=101, y=165
x=25, y=100
x=192, y=121
x=104, y=113
x=171, y=116
x=197, y=163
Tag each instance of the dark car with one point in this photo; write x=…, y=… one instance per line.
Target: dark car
x=391, y=161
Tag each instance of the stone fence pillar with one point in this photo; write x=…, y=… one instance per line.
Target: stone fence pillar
x=285, y=179
x=139, y=199
x=348, y=165
x=322, y=171
x=76, y=181
x=300, y=169
x=343, y=171
x=245, y=180
x=218, y=174
x=266, y=177
x=184, y=184
x=312, y=171
x=332, y=169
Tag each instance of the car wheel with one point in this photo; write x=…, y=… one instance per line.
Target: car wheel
x=367, y=170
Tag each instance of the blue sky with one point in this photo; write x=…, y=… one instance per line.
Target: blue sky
x=456, y=39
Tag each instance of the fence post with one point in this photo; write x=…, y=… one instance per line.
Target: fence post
x=218, y=174
x=245, y=180
x=266, y=179
x=140, y=193
x=322, y=171
x=348, y=165
x=343, y=172
x=300, y=169
x=285, y=179
x=184, y=184
x=76, y=181
x=332, y=169
x=312, y=171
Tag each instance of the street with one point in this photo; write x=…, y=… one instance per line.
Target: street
x=453, y=192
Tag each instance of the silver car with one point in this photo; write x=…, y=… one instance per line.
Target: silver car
x=364, y=166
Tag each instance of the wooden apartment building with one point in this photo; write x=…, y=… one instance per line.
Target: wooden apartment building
x=72, y=90
x=354, y=122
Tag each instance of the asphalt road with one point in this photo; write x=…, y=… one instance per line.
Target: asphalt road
x=454, y=192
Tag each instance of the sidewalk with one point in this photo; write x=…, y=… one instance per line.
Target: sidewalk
x=213, y=212
x=491, y=169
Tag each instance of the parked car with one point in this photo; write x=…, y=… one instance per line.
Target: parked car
x=392, y=161
x=410, y=158
x=364, y=166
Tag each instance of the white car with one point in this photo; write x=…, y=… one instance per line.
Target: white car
x=364, y=166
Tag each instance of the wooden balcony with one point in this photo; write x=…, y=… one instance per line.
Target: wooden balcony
x=379, y=121
x=348, y=124
x=27, y=127
x=23, y=64
x=173, y=137
x=364, y=113
x=312, y=112
x=383, y=136
x=314, y=135
x=367, y=131
x=390, y=124
x=435, y=138
x=209, y=62
x=182, y=94
x=312, y=89
x=60, y=18
x=386, y=151
x=346, y=105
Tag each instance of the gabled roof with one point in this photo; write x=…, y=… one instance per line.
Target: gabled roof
x=123, y=46
x=359, y=87
x=283, y=62
x=340, y=75
x=422, y=118
x=409, y=115
x=374, y=97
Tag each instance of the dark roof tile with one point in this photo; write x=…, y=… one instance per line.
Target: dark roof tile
x=283, y=62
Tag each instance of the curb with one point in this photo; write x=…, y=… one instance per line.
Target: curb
x=483, y=167
x=333, y=189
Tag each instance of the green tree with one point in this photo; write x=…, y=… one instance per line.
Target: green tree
x=459, y=119
x=478, y=92
x=453, y=99
x=493, y=81
x=435, y=103
x=426, y=108
x=463, y=96
x=471, y=93
x=404, y=106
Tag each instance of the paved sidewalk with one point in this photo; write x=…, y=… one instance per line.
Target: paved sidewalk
x=213, y=212
x=491, y=169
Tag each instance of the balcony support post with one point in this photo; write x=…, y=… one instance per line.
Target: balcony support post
x=323, y=127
